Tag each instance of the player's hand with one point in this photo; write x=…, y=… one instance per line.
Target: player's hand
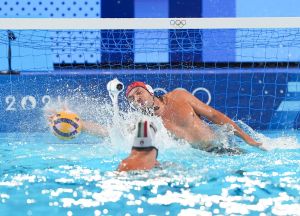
x=51, y=112
x=256, y=144
x=252, y=142
x=262, y=148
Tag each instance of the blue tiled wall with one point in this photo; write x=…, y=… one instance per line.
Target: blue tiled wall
x=261, y=100
x=267, y=8
x=265, y=100
x=213, y=9
x=50, y=8
x=163, y=47
x=282, y=51
x=119, y=41
x=151, y=46
x=36, y=59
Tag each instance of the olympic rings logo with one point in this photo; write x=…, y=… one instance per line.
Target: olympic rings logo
x=193, y=93
x=178, y=23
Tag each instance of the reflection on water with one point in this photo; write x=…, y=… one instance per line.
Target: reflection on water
x=42, y=175
x=76, y=179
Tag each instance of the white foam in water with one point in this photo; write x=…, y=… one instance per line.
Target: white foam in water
x=120, y=123
x=163, y=139
x=121, y=134
x=282, y=142
x=120, y=126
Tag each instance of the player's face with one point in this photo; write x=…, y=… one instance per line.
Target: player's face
x=140, y=97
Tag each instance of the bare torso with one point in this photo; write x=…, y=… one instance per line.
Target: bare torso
x=180, y=119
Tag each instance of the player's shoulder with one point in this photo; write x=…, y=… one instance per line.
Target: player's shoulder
x=125, y=165
x=179, y=93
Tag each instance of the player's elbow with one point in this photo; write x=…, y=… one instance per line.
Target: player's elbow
x=217, y=117
x=212, y=115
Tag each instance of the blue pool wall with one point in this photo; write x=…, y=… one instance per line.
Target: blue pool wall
x=263, y=100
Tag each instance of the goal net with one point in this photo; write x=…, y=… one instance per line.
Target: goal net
x=246, y=68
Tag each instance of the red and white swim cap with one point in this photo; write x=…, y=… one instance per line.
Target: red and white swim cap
x=139, y=84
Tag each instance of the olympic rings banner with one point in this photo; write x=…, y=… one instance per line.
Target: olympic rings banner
x=177, y=23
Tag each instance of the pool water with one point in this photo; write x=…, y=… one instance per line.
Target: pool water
x=41, y=175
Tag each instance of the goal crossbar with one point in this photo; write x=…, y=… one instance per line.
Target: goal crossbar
x=147, y=23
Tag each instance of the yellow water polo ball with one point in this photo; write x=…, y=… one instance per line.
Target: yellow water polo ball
x=66, y=125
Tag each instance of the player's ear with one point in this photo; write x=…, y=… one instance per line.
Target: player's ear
x=150, y=89
x=153, y=127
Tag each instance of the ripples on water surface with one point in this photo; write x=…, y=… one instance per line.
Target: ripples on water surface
x=42, y=176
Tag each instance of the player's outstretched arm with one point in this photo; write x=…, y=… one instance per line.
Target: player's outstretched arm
x=94, y=128
x=216, y=117
x=87, y=126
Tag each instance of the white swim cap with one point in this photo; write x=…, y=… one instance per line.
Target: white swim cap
x=145, y=134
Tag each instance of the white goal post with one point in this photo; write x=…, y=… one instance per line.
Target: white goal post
x=147, y=23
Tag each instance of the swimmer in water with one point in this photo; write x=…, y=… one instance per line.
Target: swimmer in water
x=182, y=114
x=143, y=155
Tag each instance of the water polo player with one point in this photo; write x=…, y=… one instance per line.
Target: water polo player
x=143, y=155
x=181, y=113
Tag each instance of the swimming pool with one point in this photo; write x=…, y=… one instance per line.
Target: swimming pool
x=249, y=73
x=42, y=175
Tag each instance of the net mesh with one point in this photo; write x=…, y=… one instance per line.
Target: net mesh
x=153, y=46
x=249, y=74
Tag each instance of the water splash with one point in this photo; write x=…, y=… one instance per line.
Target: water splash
x=120, y=126
x=285, y=141
x=121, y=134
